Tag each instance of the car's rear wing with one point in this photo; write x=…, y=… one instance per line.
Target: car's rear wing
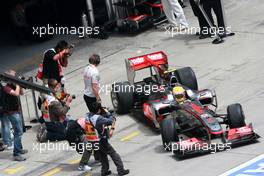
x=144, y=61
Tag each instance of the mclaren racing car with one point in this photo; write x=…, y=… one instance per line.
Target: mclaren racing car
x=185, y=128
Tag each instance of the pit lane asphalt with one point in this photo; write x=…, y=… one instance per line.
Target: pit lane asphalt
x=233, y=69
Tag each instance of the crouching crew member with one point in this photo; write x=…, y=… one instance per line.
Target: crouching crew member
x=54, y=113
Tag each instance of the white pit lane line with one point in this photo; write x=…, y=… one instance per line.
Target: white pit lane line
x=254, y=167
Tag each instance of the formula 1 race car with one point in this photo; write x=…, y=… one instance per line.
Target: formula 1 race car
x=182, y=126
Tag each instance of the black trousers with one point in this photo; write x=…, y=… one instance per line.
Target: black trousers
x=216, y=6
x=197, y=12
x=105, y=150
x=89, y=101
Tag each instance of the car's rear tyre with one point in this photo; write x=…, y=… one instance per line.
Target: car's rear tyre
x=235, y=116
x=168, y=132
x=122, y=97
x=186, y=77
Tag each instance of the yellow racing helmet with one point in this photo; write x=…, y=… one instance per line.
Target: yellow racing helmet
x=179, y=93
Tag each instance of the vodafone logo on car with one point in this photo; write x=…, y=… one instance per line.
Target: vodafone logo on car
x=154, y=57
x=137, y=60
x=141, y=59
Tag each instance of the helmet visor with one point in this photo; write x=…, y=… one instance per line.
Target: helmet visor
x=179, y=96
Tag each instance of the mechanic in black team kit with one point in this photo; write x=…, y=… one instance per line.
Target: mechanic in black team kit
x=91, y=79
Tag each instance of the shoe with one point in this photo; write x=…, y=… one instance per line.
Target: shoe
x=84, y=168
x=19, y=158
x=106, y=173
x=204, y=36
x=23, y=151
x=8, y=147
x=2, y=148
x=97, y=162
x=223, y=35
x=42, y=134
x=124, y=172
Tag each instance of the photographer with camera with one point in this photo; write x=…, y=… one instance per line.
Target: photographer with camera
x=54, y=110
x=11, y=112
x=84, y=138
x=54, y=60
x=89, y=139
x=51, y=67
x=104, y=123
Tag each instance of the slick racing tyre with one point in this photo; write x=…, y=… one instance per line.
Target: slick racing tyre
x=235, y=116
x=168, y=132
x=186, y=77
x=122, y=97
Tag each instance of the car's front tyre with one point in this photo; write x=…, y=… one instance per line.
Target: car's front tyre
x=235, y=116
x=169, y=132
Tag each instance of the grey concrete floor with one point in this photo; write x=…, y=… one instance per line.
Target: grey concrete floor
x=233, y=69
